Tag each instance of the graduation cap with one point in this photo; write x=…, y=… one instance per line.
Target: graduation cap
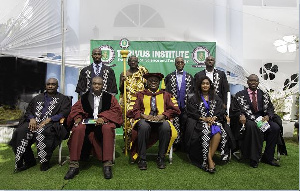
x=158, y=75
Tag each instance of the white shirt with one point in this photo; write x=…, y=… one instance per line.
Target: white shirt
x=96, y=106
x=179, y=78
x=210, y=75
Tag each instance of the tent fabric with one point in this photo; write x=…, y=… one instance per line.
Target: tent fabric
x=32, y=29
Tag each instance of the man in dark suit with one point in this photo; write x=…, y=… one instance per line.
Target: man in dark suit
x=179, y=83
x=218, y=77
x=97, y=68
x=246, y=107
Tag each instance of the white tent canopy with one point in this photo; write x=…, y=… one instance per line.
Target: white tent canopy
x=244, y=30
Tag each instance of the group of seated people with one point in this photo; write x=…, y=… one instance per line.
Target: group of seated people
x=202, y=122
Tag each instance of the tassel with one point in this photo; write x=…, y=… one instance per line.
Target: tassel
x=163, y=86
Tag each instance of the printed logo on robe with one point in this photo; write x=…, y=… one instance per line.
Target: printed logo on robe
x=108, y=54
x=199, y=55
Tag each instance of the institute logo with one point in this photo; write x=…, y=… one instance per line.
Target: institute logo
x=108, y=54
x=124, y=43
x=199, y=55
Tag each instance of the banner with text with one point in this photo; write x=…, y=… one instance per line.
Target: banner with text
x=156, y=56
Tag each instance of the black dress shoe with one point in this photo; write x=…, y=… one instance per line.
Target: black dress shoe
x=45, y=166
x=71, y=173
x=253, y=163
x=107, y=172
x=25, y=166
x=161, y=163
x=272, y=163
x=142, y=164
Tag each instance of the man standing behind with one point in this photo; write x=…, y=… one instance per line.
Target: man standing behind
x=218, y=78
x=151, y=110
x=93, y=119
x=179, y=83
x=97, y=68
x=41, y=123
x=134, y=83
x=246, y=107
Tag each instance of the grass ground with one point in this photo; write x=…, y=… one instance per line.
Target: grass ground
x=181, y=175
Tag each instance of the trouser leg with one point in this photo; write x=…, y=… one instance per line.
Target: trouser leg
x=144, y=130
x=104, y=143
x=75, y=142
x=164, y=135
x=272, y=135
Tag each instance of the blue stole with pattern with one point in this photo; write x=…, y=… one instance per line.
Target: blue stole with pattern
x=214, y=128
x=181, y=92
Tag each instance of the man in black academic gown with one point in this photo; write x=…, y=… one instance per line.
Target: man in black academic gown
x=218, y=78
x=246, y=107
x=97, y=68
x=41, y=124
x=179, y=83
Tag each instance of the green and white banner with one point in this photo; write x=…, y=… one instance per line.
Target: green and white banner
x=157, y=56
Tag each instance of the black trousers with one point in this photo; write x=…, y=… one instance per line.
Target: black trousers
x=23, y=138
x=145, y=128
x=253, y=141
x=271, y=137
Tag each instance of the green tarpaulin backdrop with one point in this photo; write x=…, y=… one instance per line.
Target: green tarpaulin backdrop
x=156, y=56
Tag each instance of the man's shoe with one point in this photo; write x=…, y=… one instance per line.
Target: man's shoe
x=107, y=172
x=25, y=166
x=272, y=163
x=142, y=164
x=161, y=163
x=45, y=166
x=253, y=164
x=71, y=173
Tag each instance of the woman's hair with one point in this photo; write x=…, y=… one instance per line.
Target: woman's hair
x=198, y=90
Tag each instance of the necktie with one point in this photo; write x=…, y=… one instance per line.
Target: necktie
x=97, y=70
x=254, y=102
x=153, y=106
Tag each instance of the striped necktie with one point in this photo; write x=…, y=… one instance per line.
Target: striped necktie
x=153, y=106
x=97, y=70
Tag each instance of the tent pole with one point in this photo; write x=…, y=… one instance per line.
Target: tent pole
x=62, y=67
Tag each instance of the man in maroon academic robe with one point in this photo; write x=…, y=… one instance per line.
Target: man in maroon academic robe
x=105, y=115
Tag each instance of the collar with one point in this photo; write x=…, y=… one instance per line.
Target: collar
x=94, y=64
x=250, y=91
x=179, y=72
x=96, y=95
x=209, y=72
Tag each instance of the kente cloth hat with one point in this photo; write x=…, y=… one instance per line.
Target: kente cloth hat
x=158, y=75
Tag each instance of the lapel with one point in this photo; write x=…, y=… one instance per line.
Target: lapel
x=102, y=69
x=91, y=68
x=87, y=102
